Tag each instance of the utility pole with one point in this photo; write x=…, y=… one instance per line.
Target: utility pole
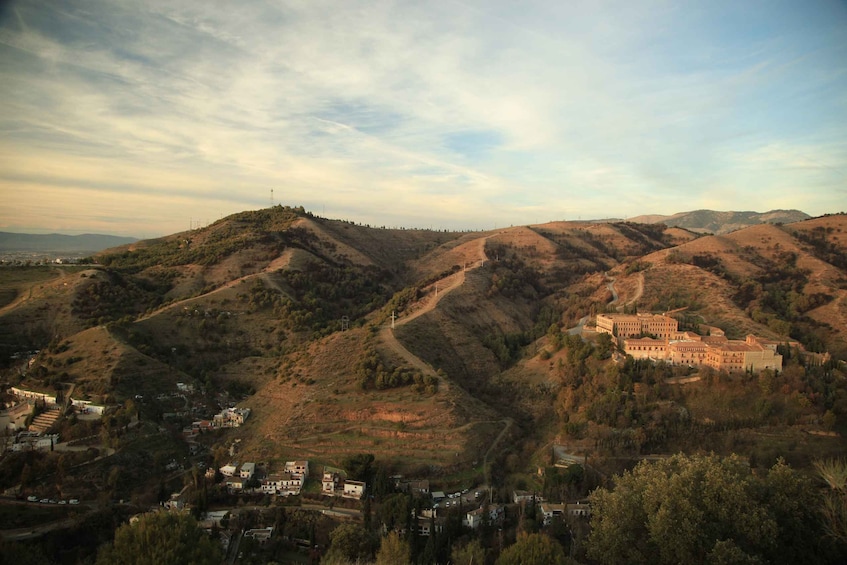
x=393, y=317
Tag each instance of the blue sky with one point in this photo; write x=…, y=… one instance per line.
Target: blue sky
x=144, y=118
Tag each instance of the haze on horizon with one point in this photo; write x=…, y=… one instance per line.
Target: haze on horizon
x=144, y=118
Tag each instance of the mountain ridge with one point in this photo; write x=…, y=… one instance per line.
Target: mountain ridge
x=11, y=242
x=718, y=223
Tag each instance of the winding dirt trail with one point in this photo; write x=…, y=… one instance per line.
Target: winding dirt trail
x=263, y=275
x=26, y=296
x=441, y=288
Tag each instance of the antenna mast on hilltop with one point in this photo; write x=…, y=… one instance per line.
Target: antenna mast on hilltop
x=272, y=198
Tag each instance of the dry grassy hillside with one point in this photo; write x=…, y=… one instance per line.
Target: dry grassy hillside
x=316, y=409
x=296, y=309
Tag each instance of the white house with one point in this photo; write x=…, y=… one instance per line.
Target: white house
x=474, y=518
x=285, y=484
x=247, y=470
x=523, y=496
x=229, y=469
x=300, y=468
x=329, y=483
x=353, y=489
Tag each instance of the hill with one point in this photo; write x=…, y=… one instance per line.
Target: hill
x=710, y=221
x=446, y=354
x=58, y=243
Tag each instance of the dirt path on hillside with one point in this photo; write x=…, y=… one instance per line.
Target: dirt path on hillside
x=508, y=425
x=440, y=289
x=25, y=296
x=275, y=265
x=611, y=287
x=639, y=290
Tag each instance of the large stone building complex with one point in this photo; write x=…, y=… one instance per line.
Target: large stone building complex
x=666, y=343
x=623, y=326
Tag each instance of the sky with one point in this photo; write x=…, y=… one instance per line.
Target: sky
x=147, y=118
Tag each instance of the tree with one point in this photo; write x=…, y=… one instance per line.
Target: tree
x=349, y=542
x=834, y=508
x=533, y=549
x=161, y=538
x=704, y=509
x=471, y=554
x=393, y=551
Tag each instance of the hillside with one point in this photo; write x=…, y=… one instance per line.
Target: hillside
x=710, y=221
x=291, y=315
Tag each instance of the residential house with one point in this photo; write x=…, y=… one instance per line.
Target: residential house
x=247, y=470
x=473, y=518
x=550, y=511
x=524, y=496
x=353, y=489
x=426, y=525
x=298, y=468
x=285, y=484
x=231, y=417
x=229, y=469
x=579, y=509
x=234, y=484
x=329, y=484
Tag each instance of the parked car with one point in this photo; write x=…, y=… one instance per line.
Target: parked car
x=44, y=501
x=74, y=501
x=32, y=498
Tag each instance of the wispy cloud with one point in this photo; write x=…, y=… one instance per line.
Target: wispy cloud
x=451, y=114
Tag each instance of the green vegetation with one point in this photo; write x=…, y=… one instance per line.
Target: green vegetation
x=533, y=549
x=705, y=509
x=161, y=538
x=820, y=246
x=373, y=374
x=117, y=296
x=211, y=244
x=320, y=295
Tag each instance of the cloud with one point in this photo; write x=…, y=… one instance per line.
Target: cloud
x=455, y=113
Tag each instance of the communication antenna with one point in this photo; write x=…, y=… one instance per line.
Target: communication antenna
x=272, y=198
x=393, y=317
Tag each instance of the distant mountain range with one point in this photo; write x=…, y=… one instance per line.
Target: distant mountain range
x=58, y=243
x=710, y=221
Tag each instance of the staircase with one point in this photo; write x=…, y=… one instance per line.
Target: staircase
x=45, y=420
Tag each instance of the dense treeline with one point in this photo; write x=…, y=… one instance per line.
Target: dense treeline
x=708, y=509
